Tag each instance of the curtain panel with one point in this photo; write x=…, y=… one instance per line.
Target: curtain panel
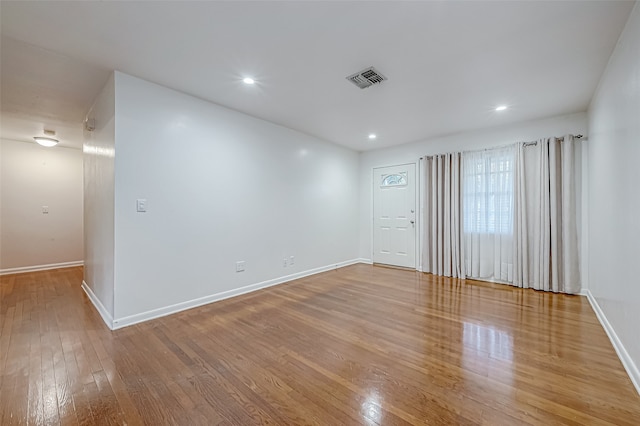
x=505, y=214
x=442, y=238
x=545, y=237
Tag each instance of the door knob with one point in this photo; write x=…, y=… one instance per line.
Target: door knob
x=412, y=222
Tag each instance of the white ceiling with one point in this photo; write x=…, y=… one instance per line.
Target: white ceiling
x=449, y=63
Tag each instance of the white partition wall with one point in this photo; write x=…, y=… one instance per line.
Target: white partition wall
x=614, y=197
x=219, y=187
x=99, y=161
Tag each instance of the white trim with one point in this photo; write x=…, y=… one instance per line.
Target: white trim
x=372, y=211
x=36, y=268
x=422, y=182
x=189, y=304
x=363, y=260
x=418, y=217
x=106, y=316
x=625, y=358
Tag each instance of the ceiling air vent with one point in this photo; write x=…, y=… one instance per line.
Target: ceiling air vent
x=366, y=78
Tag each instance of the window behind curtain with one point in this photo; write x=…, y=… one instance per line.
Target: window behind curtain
x=487, y=186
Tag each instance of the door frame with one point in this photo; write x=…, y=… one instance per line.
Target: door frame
x=419, y=208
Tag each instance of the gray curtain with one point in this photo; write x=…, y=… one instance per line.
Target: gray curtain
x=443, y=241
x=545, y=231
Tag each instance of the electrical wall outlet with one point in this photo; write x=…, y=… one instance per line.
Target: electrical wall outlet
x=240, y=266
x=291, y=260
x=284, y=262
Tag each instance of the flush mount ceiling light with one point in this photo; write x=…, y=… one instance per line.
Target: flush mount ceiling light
x=248, y=80
x=372, y=136
x=501, y=108
x=44, y=141
x=47, y=140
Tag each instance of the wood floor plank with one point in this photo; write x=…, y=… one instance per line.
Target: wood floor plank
x=359, y=345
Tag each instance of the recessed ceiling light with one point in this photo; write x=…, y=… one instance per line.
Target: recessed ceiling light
x=248, y=80
x=44, y=141
x=372, y=136
x=501, y=108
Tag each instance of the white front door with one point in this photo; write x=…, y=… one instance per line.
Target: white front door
x=394, y=215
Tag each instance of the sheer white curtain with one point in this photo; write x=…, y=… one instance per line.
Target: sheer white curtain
x=546, y=242
x=442, y=245
x=488, y=210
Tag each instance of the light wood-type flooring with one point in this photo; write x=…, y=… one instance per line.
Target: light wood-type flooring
x=359, y=345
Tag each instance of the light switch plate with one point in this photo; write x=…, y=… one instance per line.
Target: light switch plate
x=141, y=205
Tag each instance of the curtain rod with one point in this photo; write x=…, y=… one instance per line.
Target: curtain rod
x=578, y=136
x=560, y=139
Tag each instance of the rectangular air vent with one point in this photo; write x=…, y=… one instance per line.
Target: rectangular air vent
x=366, y=78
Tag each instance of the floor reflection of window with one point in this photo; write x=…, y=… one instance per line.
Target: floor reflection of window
x=496, y=343
x=488, y=352
x=487, y=355
x=371, y=409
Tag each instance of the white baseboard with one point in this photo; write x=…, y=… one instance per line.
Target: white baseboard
x=194, y=303
x=367, y=261
x=625, y=358
x=106, y=316
x=36, y=268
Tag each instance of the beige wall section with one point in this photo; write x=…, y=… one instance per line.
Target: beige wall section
x=31, y=177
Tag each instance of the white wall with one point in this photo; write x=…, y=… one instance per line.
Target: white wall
x=99, y=179
x=485, y=138
x=220, y=187
x=614, y=196
x=32, y=176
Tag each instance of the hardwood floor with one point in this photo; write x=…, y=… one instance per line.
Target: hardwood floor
x=360, y=345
